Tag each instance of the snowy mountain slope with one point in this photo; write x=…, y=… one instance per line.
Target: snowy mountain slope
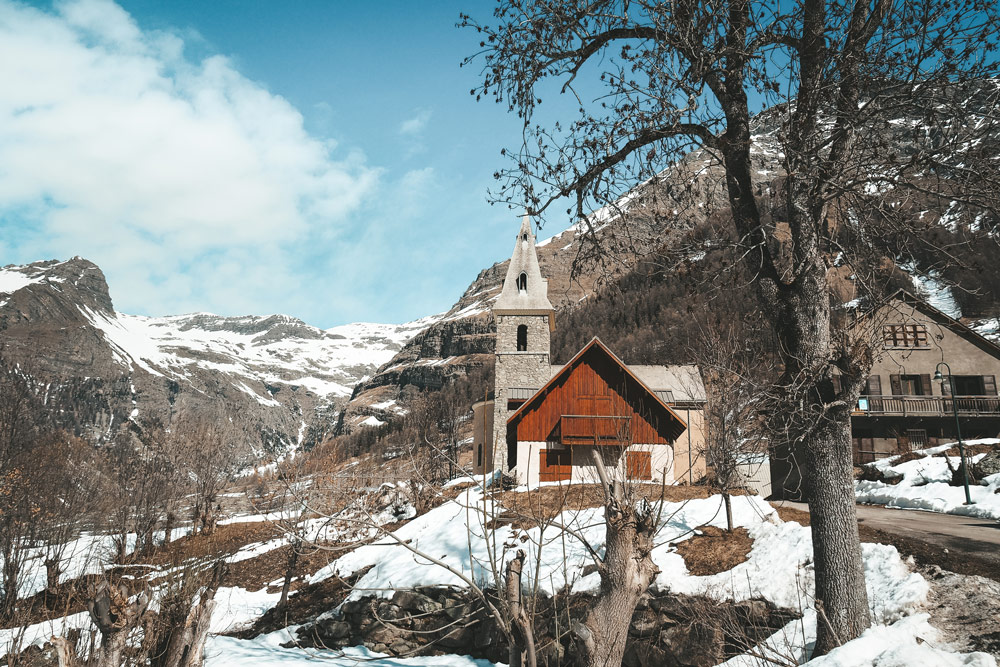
x=274, y=349
x=283, y=377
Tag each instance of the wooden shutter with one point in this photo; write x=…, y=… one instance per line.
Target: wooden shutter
x=640, y=465
x=554, y=465
x=874, y=385
x=990, y=385
x=896, y=382
x=925, y=385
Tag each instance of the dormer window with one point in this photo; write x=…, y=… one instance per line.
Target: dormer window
x=522, y=337
x=522, y=282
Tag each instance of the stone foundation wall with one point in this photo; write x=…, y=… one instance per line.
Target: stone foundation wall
x=666, y=629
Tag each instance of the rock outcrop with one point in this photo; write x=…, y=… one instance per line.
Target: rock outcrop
x=666, y=629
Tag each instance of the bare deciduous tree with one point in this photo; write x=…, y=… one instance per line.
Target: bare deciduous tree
x=655, y=80
x=737, y=379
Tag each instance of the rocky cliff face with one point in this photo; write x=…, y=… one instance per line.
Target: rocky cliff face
x=280, y=379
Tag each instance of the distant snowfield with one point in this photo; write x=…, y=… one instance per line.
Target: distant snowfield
x=925, y=485
x=326, y=363
x=11, y=281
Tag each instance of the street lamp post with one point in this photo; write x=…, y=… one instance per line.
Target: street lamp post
x=958, y=428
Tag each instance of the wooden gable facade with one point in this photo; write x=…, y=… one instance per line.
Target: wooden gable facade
x=595, y=400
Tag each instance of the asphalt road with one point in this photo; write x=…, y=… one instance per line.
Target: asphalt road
x=960, y=534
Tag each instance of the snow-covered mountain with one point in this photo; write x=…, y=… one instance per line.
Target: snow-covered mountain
x=283, y=377
x=260, y=353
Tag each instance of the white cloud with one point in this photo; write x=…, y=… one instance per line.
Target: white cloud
x=192, y=186
x=414, y=126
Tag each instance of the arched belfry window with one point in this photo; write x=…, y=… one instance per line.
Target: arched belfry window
x=522, y=282
x=522, y=337
x=524, y=237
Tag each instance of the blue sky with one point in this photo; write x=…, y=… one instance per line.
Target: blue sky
x=321, y=159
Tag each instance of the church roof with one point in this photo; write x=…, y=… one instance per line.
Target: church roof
x=524, y=290
x=676, y=425
x=671, y=383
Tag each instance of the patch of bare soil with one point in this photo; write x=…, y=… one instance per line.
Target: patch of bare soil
x=923, y=553
x=966, y=609
x=909, y=456
x=526, y=509
x=970, y=450
x=715, y=550
x=226, y=539
x=303, y=605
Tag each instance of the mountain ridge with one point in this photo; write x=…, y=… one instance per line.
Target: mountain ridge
x=285, y=379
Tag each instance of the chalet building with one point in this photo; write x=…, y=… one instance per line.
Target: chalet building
x=903, y=406
x=544, y=422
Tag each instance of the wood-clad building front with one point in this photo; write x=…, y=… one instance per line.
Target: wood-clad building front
x=593, y=403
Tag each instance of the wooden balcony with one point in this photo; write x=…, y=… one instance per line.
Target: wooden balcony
x=592, y=430
x=929, y=406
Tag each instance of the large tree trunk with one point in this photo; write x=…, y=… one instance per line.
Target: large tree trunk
x=626, y=574
x=114, y=616
x=819, y=424
x=840, y=582
x=627, y=571
x=522, y=649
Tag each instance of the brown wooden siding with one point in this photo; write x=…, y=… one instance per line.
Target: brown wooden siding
x=555, y=465
x=596, y=386
x=639, y=464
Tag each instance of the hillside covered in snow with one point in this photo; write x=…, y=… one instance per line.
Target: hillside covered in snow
x=281, y=376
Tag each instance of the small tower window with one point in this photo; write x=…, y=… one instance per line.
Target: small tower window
x=522, y=282
x=522, y=337
x=524, y=237
x=479, y=456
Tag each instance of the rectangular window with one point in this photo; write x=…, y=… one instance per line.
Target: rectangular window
x=912, y=385
x=968, y=385
x=905, y=335
x=917, y=438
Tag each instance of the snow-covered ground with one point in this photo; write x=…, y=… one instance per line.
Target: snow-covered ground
x=779, y=569
x=925, y=485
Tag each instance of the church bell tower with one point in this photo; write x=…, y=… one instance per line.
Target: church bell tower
x=524, y=321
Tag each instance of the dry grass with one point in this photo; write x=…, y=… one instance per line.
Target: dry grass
x=970, y=450
x=786, y=513
x=909, y=456
x=526, y=509
x=715, y=550
x=226, y=539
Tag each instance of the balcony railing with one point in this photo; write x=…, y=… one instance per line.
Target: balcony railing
x=591, y=430
x=928, y=405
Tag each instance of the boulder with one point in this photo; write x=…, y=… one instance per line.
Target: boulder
x=986, y=466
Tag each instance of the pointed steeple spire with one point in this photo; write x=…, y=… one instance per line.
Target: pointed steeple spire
x=524, y=290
